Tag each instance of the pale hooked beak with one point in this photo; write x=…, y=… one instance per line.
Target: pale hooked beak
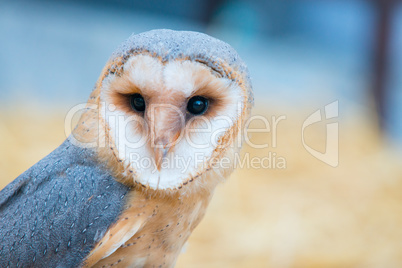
x=160, y=153
x=165, y=126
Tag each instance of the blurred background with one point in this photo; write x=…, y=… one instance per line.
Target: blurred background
x=302, y=55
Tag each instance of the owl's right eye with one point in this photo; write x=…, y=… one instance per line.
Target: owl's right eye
x=137, y=102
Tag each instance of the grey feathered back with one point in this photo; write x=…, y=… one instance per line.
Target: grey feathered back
x=53, y=214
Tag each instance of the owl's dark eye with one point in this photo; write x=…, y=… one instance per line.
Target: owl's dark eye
x=197, y=105
x=137, y=102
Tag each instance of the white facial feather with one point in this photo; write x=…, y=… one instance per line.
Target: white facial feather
x=189, y=154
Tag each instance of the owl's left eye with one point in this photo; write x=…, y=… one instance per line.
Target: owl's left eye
x=197, y=105
x=137, y=102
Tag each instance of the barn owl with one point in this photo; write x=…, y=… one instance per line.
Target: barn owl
x=160, y=130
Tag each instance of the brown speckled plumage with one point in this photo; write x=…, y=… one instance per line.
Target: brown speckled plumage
x=166, y=222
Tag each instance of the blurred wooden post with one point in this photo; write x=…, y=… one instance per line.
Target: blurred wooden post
x=212, y=6
x=382, y=36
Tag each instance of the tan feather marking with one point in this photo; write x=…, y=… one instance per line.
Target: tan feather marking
x=114, y=238
x=117, y=235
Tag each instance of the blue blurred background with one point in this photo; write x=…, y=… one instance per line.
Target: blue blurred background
x=298, y=52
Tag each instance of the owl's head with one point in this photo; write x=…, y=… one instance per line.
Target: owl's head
x=172, y=106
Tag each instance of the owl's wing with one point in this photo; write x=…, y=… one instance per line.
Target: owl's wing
x=116, y=236
x=54, y=214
